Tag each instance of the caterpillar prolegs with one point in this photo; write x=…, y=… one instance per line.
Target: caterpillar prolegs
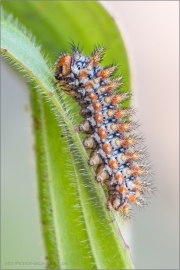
x=116, y=153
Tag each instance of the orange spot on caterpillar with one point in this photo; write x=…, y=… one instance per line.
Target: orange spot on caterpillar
x=116, y=99
x=113, y=85
x=123, y=127
x=123, y=190
x=97, y=106
x=132, y=156
x=96, y=58
x=132, y=198
x=126, y=143
x=83, y=75
x=118, y=114
x=113, y=164
x=105, y=73
x=102, y=132
x=98, y=117
x=107, y=148
x=89, y=86
x=92, y=96
x=136, y=171
x=63, y=67
x=119, y=177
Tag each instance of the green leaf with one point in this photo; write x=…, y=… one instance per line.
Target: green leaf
x=79, y=232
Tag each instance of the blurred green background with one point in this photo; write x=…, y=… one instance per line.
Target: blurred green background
x=152, y=43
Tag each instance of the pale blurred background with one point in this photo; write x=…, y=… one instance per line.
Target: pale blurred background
x=151, y=33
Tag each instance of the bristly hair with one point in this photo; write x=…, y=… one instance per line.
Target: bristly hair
x=97, y=47
x=76, y=47
x=58, y=53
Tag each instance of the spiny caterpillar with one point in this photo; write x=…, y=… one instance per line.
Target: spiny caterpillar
x=116, y=153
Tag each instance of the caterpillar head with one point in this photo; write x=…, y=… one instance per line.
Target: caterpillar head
x=63, y=67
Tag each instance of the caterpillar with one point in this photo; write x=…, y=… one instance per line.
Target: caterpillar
x=116, y=153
